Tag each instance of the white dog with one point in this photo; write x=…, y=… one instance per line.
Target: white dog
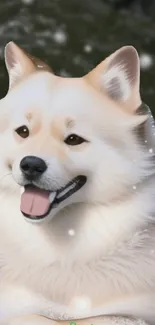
x=77, y=196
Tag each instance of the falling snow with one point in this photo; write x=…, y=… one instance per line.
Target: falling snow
x=27, y=2
x=60, y=37
x=87, y=48
x=146, y=61
x=71, y=232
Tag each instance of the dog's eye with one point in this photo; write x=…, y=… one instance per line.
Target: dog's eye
x=74, y=140
x=23, y=131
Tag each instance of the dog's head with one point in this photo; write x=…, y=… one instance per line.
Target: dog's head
x=70, y=140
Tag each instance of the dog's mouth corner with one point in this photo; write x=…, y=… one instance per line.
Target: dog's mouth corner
x=37, y=203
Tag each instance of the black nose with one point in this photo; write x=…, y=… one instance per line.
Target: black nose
x=32, y=167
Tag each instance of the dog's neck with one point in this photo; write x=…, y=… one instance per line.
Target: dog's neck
x=92, y=228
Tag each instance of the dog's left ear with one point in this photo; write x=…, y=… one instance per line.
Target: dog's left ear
x=118, y=77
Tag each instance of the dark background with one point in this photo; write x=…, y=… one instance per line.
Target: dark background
x=74, y=35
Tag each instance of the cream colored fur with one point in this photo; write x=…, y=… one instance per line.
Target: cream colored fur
x=93, y=257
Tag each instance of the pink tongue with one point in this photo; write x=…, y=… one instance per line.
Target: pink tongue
x=35, y=202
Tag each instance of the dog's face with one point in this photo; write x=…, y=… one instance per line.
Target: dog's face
x=66, y=141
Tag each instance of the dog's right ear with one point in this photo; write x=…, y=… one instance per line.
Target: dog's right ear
x=18, y=64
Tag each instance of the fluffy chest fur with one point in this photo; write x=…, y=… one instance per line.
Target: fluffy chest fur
x=104, y=277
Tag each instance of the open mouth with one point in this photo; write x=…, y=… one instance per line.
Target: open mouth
x=36, y=203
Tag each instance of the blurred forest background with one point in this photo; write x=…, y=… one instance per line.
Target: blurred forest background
x=72, y=36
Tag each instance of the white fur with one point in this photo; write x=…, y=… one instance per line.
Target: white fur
x=107, y=267
x=15, y=73
x=119, y=72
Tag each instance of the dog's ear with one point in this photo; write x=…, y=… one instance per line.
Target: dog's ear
x=20, y=64
x=118, y=77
